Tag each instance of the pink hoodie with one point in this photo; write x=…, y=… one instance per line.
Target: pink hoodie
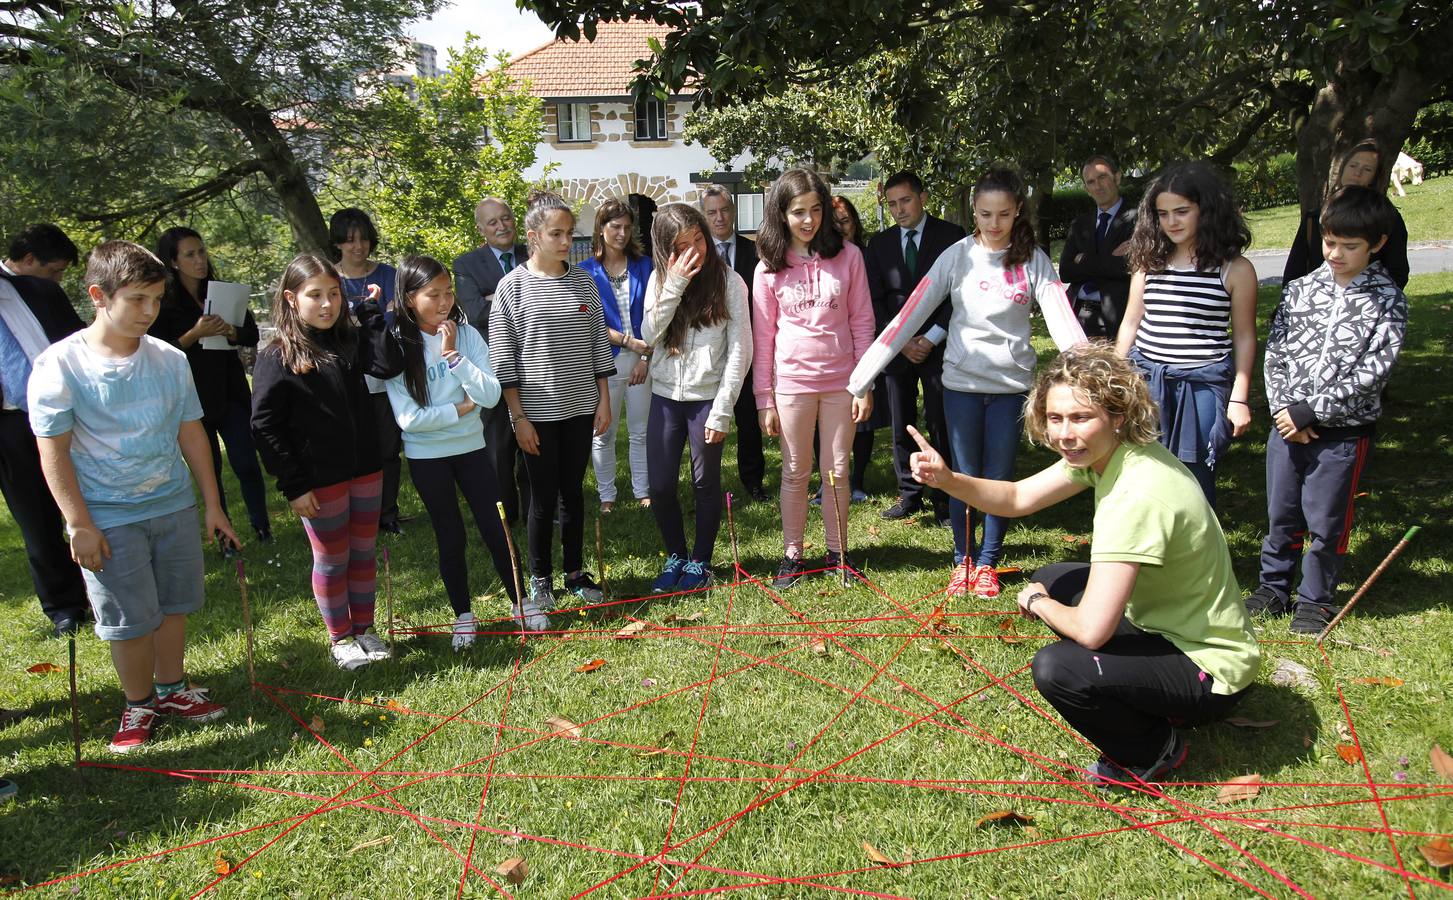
x=811, y=323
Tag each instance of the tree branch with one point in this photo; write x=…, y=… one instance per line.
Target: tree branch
x=1233, y=148
x=220, y=183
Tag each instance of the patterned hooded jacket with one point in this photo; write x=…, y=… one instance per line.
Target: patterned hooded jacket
x=1330, y=350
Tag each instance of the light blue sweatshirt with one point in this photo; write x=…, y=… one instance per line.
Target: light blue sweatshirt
x=437, y=430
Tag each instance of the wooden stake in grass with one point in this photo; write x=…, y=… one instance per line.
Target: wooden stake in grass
x=514, y=559
x=732, y=533
x=1381, y=567
x=600, y=555
x=388, y=599
x=842, y=528
x=247, y=620
x=75, y=707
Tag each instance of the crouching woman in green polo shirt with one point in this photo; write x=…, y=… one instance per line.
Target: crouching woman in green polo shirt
x=1153, y=630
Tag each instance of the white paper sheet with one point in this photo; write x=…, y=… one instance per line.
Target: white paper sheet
x=228, y=300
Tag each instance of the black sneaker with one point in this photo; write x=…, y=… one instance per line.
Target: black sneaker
x=757, y=493
x=1106, y=774
x=1267, y=601
x=584, y=587
x=1310, y=618
x=832, y=561
x=902, y=509
x=789, y=572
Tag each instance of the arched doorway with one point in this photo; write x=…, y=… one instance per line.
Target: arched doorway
x=644, y=209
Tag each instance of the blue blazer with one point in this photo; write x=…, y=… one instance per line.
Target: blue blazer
x=638, y=269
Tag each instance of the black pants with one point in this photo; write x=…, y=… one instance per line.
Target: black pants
x=390, y=444
x=1309, y=499
x=902, y=389
x=235, y=430
x=505, y=456
x=473, y=475
x=671, y=424
x=57, y=578
x=557, y=478
x=1123, y=696
x=751, y=463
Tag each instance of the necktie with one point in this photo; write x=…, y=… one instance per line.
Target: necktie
x=910, y=252
x=1102, y=228
x=14, y=367
x=507, y=261
x=725, y=250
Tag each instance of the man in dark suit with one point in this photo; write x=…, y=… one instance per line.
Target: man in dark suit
x=897, y=259
x=1094, y=262
x=476, y=275
x=34, y=313
x=741, y=254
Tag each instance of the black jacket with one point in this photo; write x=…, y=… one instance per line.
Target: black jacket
x=1080, y=262
x=890, y=283
x=48, y=303
x=317, y=428
x=476, y=275
x=1305, y=254
x=218, y=374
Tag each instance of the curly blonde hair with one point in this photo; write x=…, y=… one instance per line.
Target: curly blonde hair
x=1103, y=378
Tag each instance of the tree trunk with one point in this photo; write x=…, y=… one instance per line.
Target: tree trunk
x=287, y=175
x=1041, y=184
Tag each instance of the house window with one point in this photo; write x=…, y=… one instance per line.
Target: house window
x=650, y=120
x=572, y=122
x=749, y=212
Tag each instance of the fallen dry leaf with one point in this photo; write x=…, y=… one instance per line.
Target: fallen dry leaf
x=1439, y=853
x=1442, y=762
x=366, y=844
x=221, y=866
x=818, y=646
x=1004, y=817
x=877, y=856
x=1069, y=539
x=591, y=666
x=1240, y=722
x=1242, y=787
x=1385, y=681
x=395, y=705
x=317, y=724
x=631, y=630
x=873, y=530
x=1009, y=631
x=693, y=617
x=43, y=668
x=563, y=726
x=1350, y=754
x=1343, y=731
x=514, y=870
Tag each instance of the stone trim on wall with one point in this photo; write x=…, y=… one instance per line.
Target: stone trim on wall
x=589, y=193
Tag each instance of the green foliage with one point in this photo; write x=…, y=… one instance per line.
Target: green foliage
x=467, y=134
x=1431, y=142
x=1264, y=183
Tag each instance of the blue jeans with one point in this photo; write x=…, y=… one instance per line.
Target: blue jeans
x=1208, y=411
x=983, y=438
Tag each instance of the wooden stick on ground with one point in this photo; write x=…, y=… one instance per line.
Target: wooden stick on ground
x=514, y=560
x=388, y=599
x=1381, y=567
x=842, y=528
x=247, y=621
x=737, y=573
x=600, y=554
x=75, y=708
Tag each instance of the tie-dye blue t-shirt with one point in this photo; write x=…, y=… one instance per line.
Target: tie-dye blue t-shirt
x=123, y=416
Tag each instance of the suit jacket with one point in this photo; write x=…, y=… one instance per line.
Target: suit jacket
x=890, y=283
x=744, y=260
x=48, y=303
x=476, y=274
x=1079, y=262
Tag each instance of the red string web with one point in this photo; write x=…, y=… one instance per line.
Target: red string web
x=691, y=859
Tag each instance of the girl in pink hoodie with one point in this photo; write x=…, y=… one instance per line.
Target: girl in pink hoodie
x=812, y=320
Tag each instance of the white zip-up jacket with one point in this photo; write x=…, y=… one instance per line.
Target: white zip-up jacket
x=713, y=360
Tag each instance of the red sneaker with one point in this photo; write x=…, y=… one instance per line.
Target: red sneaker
x=135, y=729
x=986, y=582
x=958, y=582
x=191, y=704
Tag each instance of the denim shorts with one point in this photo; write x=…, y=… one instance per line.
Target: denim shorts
x=155, y=570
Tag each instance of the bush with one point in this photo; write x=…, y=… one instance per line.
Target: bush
x=1267, y=182
x=1431, y=140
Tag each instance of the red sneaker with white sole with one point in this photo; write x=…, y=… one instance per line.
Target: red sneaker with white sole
x=135, y=729
x=191, y=704
x=958, y=582
x=986, y=582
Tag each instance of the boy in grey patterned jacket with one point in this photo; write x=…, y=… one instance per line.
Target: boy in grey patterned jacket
x=1331, y=348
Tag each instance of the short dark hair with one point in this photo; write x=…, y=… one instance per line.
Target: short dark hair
x=115, y=264
x=1105, y=158
x=1358, y=212
x=46, y=243
x=904, y=177
x=344, y=224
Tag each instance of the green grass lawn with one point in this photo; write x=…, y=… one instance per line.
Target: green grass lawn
x=897, y=738
x=1427, y=210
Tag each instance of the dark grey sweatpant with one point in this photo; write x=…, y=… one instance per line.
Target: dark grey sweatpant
x=1309, y=500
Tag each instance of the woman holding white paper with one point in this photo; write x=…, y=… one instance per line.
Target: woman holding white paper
x=184, y=321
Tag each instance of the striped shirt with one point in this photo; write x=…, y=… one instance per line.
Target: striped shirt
x=1187, y=318
x=548, y=340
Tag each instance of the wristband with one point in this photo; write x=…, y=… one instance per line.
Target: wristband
x=1242, y=402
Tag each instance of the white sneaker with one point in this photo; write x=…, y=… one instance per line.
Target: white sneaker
x=373, y=646
x=349, y=654
x=464, y=628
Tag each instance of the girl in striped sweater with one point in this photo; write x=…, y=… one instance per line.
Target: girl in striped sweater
x=552, y=357
x=1190, y=324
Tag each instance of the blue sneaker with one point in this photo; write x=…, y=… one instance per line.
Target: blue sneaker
x=665, y=583
x=694, y=576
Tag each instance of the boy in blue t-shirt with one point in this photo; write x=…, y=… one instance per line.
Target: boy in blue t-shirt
x=1331, y=348
x=115, y=412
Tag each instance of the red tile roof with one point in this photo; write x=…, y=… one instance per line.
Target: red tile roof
x=600, y=68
